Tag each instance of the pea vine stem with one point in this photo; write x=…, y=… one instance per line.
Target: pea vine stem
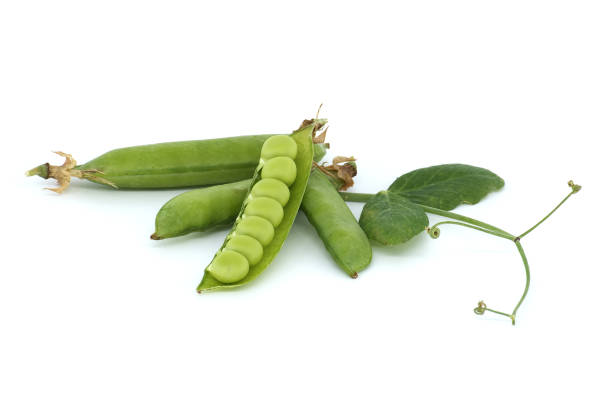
x=361, y=197
x=434, y=230
x=575, y=188
x=475, y=224
x=527, y=278
x=465, y=219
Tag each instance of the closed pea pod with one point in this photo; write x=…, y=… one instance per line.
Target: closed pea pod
x=166, y=165
x=336, y=225
x=200, y=209
x=244, y=223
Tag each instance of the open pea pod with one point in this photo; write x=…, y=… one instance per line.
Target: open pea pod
x=303, y=163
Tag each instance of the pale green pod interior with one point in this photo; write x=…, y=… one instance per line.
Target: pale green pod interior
x=272, y=188
x=229, y=266
x=266, y=208
x=280, y=168
x=248, y=246
x=279, y=146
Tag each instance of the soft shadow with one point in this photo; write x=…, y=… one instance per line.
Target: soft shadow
x=414, y=245
x=179, y=240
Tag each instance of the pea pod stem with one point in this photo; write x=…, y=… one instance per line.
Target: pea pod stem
x=356, y=196
x=475, y=224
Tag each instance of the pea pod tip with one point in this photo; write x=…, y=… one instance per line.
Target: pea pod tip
x=41, y=170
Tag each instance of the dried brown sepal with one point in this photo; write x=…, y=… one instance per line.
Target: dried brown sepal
x=319, y=123
x=346, y=172
x=341, y=159
x=342, y=175
x=320, y=138
x=64, y=172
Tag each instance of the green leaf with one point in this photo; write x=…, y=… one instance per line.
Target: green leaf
x=447, y=186
x=389, y=218
x=303, y=162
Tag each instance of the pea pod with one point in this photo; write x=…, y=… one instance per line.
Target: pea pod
x=165, y=165
x=200, y=209
x=230, y=267
x=336, y=225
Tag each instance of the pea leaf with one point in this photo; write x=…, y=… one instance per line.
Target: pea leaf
x=447, y=186
x=389, y=218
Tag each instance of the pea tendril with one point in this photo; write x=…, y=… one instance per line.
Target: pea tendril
x=460, y=220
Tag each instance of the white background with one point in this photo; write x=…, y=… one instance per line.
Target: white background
x=94, y=313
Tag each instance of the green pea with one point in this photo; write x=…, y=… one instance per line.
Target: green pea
x=229, y=266
x=280, y=168
x=247, y=246
x=266, y=208
x=257, y=227
x=279, y=146
x=271, y=188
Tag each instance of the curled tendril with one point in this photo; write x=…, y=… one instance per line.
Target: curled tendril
x=575, y=187
x=433, y=232
x=481, y=308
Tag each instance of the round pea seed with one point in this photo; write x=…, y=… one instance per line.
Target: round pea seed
x=259, y=228
x=248, y=246
x=266, y=208
x=279, y=146
x=280, y=168
x=271, y=188
x=229, y=266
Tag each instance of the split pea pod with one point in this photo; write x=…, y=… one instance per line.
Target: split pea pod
x=263, y=222
x=336, y=225
x=165, y=165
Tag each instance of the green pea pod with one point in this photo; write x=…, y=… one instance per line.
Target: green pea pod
x=336, y=225
x=272, y=240
x=200, y=209
x=165, y=165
